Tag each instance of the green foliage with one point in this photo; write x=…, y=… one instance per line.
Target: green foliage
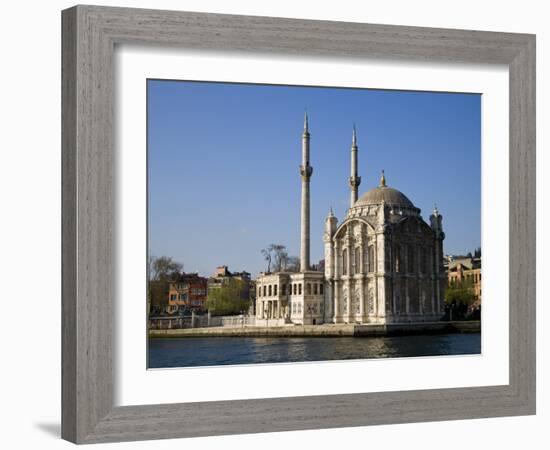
x=232, y=297
x=460, y=292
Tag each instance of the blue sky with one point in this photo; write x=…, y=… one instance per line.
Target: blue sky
x=223, y=159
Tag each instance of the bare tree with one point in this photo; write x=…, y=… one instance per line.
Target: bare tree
x=279, y=254
x=293, y=264
x=284, y=260
x=266, y=253
x=163, y=268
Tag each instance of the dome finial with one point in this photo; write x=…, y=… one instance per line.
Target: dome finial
x=382, y=179
x=306, y=125
x=330, y=212
x=435, y=211
x=354, y=137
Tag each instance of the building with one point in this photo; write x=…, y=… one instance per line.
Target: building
x=383, y=263
x=222, y=275
x=187, y=293
x=465, y=268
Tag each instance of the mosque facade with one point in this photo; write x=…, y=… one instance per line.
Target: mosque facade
x=383, y=262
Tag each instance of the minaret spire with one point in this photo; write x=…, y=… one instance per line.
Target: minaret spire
x=354, y=179
x=305, y=171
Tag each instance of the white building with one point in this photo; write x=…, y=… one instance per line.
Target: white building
x=383, y=263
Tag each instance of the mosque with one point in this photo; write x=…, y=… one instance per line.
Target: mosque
x=383, y=262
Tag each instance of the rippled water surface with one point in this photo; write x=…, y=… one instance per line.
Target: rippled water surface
x=212, y=351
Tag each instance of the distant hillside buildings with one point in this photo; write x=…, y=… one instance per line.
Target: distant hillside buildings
x=189, y=292
x=465, y=268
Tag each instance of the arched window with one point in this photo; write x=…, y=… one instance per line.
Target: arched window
x=308, y=288
x=299, y=288
x=397, y=259
x=411, y=266
x=275, y=290
x=358, y=268
x=321, y=289
x=371, y=258
x=344, y=262
x=270, y=290
x=423, y=261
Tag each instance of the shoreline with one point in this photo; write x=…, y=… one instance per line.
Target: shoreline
x=325, y=330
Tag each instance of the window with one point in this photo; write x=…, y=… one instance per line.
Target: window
x=398, y=259
x=270, y=290
x=371, y=258
x=283, y=289
x=358, y=268
x=410, y=259
x=265, y=287
x=321, y=289
x=275, y=290
x=173, y=297
x=423, y=258
x=259, y=291
x=299, y=288
x=294, y=288
x=308, y=288
x=315, y=289
x=345, y=262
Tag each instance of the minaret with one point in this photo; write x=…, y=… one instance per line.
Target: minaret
x=331, y=224
x=305, y=171
x=436, y=220
x=354, y=180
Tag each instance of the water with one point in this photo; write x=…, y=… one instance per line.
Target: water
x=213, y=351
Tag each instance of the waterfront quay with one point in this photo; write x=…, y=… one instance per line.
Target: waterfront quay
x=325, y=330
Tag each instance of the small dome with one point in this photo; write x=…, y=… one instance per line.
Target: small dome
x=387, y=194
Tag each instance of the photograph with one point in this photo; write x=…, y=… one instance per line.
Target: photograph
x=291, y=224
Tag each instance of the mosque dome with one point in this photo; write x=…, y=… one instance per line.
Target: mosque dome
x=387, y=194
x=383, y=193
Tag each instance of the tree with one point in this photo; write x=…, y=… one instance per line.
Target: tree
x=266, y=253
x=276, y=255
x=161, y=272
x=232, y=297
x=279, y=256
x=164, y=268
x=293, y=264
x=460, y=292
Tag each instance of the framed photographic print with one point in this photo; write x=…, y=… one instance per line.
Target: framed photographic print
x=336, y=219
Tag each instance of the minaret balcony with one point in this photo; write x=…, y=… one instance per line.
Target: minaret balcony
x=306, y=171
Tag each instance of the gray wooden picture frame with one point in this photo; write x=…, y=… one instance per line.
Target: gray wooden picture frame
x=90, y=34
